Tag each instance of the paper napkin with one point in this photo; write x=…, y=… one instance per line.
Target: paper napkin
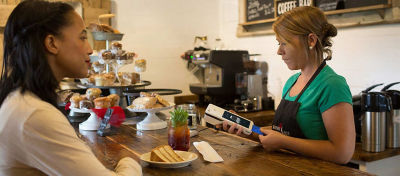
x=209, y=154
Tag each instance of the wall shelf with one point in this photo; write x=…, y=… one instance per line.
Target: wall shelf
x=369, y=15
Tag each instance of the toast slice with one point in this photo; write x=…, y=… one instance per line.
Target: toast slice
x=157, y=155
x=173, y=153
x=164, y=153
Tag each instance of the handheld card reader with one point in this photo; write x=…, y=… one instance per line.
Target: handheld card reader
x=216, y=115
x=102, y=131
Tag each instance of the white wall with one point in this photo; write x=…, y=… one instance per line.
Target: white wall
x=363, y=55
x=160, y=31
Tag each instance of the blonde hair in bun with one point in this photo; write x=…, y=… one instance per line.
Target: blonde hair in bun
x=302, y=21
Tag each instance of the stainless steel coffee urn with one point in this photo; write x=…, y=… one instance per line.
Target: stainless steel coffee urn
x=393, y=118
x=375, y=106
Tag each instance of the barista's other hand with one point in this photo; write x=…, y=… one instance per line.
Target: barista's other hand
x=272, y=140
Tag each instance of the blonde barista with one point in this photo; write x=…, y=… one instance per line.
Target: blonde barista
x=315, y=116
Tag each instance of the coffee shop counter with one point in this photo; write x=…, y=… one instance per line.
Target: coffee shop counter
x=241, y=156
x=382, y=163
x=260, y=118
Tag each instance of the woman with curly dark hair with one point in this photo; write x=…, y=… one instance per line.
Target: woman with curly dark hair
x=43, y=43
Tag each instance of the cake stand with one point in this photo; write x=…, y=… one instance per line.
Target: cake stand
x=92, y=123
x=151, y=121
x=118, y=89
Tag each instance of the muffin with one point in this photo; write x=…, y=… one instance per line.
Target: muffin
x=106, y=55
x=98, y=67
x=130, y=55
x=102, y=102
x=99, y=80
x=140, y=65
x=86, y=104
x=92, y=93
x=65, y=96
x=114, y=100
x=116, y=46
x=128, y=78
x=109, y=79
x=75, y=99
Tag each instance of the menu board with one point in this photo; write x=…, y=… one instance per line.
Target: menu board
x=257, y=16
x=327, y=5
x=283, y=6
x=259, y=10
x=362, y=3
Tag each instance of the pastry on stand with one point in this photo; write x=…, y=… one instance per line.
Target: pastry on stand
x=150, y=104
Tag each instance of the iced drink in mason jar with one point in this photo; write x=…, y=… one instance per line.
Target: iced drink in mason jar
x=179, y=137
x=178, y=130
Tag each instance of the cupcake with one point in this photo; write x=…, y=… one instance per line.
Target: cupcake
x=114, y=99
x=92, y=93
x=140, y=65
x=109, y=79
x=98, y=67
x=75, y=99
x=102, y=102
x=86, y=104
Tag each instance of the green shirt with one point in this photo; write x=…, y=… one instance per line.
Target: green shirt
x=327, y=89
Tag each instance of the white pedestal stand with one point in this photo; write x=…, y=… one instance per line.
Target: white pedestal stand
x=151, y=121
x=92, y=123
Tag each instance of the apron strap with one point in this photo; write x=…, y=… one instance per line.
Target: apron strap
x=312, y=79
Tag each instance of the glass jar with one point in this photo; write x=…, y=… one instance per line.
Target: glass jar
x=193, y=119
x=179, y=137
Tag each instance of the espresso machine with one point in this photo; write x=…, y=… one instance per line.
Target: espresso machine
x=218, y=70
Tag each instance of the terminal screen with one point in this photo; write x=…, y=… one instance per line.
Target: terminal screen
x=199, y=58
x=236, y=119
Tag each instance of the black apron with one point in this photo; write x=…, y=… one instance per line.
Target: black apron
x=285, y=120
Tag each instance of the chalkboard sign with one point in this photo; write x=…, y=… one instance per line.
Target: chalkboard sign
x=283, y=6
x=362, y=3
x=253, y=21
x=327, y=5
x=259, y=10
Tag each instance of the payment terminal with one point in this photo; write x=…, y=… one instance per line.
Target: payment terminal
x=216, y=115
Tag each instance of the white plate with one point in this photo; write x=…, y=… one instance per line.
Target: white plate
x=153, y=109
x=81, y=110
x=187, y=156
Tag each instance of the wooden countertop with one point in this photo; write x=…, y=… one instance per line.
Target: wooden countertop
x=265, y=118
x=241, y=156
x=361, y=155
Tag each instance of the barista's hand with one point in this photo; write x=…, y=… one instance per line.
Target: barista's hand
x=272, y=140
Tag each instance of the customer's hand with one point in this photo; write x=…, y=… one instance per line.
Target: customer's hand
x=272, y=140
x=234, y=128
